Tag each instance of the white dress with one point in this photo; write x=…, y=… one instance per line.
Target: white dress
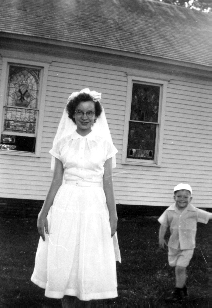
x=78, y=257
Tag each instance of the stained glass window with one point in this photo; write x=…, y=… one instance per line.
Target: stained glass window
x=143, y=121
x=21, y=109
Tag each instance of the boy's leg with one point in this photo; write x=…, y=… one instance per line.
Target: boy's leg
x=180, y=269
x=180, y=274
x=180, y=259
x=180, y=290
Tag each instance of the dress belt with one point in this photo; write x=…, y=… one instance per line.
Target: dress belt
x=83, y=183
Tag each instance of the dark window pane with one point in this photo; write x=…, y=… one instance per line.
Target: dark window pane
x=141, y=140
x=145, y=103
x=17, y=143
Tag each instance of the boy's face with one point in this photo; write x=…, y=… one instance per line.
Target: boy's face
x=182, y=198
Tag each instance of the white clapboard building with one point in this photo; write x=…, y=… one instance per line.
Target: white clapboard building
x=151, y=61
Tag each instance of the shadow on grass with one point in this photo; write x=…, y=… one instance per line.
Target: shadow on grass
x=144, y=277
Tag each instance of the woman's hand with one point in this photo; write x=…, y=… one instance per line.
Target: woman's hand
x=42, y=225
x=113, y=224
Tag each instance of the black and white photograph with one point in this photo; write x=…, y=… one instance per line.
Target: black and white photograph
x=105, y=153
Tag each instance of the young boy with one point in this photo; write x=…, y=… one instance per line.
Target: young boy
x=182, y=218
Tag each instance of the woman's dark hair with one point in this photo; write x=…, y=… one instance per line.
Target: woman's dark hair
x=82, y=97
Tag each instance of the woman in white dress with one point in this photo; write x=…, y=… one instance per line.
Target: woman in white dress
x=78, y=248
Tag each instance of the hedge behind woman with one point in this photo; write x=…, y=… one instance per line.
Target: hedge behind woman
x=78, y=248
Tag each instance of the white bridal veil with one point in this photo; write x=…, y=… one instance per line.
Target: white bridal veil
x=67, y=126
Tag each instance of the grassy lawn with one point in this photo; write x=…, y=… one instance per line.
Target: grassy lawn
x=144, y=277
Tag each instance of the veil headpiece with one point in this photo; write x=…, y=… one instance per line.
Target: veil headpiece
x=66, y=126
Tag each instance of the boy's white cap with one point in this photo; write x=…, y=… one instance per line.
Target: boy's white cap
x=183, y=186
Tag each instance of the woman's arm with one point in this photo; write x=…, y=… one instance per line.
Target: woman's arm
x=109, y=193
x=42, y=223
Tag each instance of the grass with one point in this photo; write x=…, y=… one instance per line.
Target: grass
x=144, y=277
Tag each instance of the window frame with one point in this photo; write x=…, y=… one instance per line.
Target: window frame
x=160, y=127
x=41, y=101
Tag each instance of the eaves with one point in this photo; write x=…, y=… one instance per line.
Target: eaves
x=108, y=51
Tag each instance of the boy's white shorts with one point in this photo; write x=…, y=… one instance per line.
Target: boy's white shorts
x=177, y=257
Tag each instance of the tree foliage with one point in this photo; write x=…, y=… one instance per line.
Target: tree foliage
x=203, y=5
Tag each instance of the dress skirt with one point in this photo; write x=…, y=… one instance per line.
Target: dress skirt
x=78, y=257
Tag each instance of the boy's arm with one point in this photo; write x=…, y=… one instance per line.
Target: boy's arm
x=210, y=215
x=162, y=232
x=164, y=223
x=203, y=216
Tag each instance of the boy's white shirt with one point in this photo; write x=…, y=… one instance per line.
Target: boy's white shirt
x=183, y=225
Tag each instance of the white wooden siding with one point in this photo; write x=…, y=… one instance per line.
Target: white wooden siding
x=187, y=144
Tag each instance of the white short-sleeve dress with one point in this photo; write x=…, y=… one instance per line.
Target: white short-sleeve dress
x=78, y=257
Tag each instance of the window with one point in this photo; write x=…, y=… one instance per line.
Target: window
x=21, y=107
x=143, y=126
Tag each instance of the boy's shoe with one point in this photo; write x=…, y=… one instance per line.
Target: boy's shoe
x=177, y=295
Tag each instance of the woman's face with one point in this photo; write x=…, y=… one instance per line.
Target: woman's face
x=84, y=117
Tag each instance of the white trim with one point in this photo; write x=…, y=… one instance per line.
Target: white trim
x=13, y=133
x=161, y=117
x=41, y=100
x=41, y=108
x=18, y=153
x=4, y=78
x=24, y=62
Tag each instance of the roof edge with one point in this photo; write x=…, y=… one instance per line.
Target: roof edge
x=106, y=50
